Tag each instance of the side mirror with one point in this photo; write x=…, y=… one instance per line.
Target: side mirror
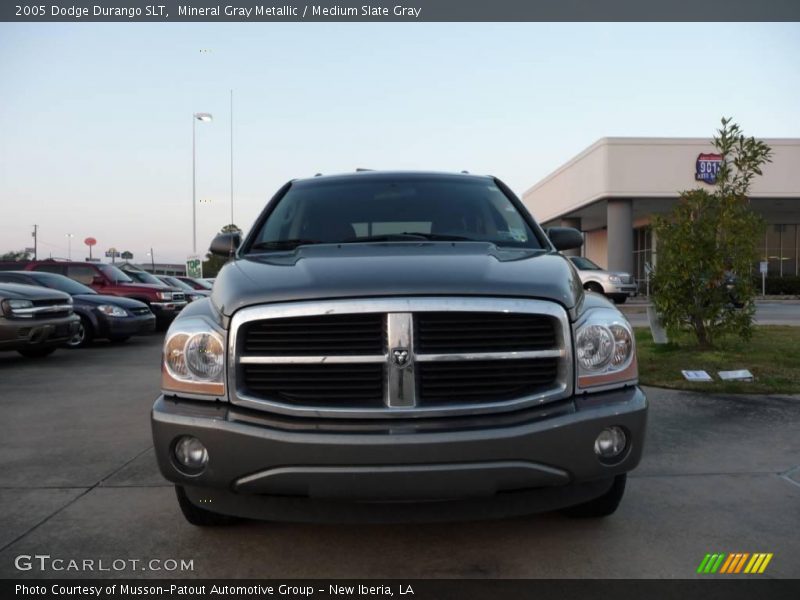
x=565, y=238
x=225, y=244
x=98, y=280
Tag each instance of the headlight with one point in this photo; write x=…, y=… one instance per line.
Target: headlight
x=165, y=295
x=615, y=279
x=112, y=311
x=194, y=358
x=605, y=350
x=10, y=306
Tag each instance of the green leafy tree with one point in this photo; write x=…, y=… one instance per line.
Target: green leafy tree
x=16, y=255
x=708, y=245
x=213, y=263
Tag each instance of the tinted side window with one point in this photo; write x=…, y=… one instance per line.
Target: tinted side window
x=12, y=279
x=50, y=268
x=81, y=273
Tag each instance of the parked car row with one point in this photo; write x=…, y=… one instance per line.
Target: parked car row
x=46, y=304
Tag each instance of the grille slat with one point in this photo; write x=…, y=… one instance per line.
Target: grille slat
x=453, y=382
x=462, y=332
x=317, y=335
x=314, y=385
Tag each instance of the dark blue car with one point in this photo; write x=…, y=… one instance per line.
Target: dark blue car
x=109, y=317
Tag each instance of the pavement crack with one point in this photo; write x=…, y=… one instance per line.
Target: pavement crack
x=73, y=501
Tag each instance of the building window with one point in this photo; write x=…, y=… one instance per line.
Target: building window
x=781, y=250
x=642, y=254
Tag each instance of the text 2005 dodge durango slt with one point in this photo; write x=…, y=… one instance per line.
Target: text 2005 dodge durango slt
x=394, y=347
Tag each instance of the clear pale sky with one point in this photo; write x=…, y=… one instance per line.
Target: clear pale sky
x=95, y=119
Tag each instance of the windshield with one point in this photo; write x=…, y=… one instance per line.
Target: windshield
x=62, y=284
x=200, y=282
x=144, y=277
x=114, y=274
x=584, y=264
x=174, y=281
x=406, y=209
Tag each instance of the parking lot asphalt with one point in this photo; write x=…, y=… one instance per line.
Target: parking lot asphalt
x=767, y=313
x=78, y=480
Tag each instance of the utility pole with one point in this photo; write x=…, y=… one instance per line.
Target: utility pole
x=231, y=157
x=35, y=241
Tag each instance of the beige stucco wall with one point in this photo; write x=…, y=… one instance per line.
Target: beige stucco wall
x=648, y=168
x=595, y=247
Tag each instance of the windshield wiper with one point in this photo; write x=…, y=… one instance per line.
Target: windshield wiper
x=407, y=236
x=282, y=244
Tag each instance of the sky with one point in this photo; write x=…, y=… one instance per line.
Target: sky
x=96, y=118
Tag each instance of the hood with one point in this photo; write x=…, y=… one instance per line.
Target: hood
x=18, y=291
x=327, y=271
x=98, y=299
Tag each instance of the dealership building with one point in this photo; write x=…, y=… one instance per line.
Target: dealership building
x=611, y=191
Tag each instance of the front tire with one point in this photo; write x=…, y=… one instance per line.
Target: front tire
x=37, y=352
x=602, y=506
x=83, y=337
x=200, y=516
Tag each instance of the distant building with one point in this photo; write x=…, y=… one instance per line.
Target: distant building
x=611, y=190
x=164, y=268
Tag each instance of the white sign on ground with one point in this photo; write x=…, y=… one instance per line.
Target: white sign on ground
x=738, y=375
x=696, y=376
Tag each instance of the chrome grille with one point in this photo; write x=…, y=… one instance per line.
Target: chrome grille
x=178, y=297
x=403, y=357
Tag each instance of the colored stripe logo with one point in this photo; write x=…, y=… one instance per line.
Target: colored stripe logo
x=734, y=563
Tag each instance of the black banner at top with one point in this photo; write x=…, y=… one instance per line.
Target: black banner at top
x=398, y=10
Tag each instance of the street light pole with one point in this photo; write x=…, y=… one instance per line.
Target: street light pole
x=194, y=188
x=69, y=246
x=204, y=117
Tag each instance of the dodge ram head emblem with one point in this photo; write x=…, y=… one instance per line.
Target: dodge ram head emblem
x=400, y=357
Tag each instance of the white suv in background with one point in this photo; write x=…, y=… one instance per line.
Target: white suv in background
x=615, y=284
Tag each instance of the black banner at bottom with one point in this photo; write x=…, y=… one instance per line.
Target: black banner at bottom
x=419, y=589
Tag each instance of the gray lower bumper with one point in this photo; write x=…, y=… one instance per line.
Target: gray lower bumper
x=519, y=467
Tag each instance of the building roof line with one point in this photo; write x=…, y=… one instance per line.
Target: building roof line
x=642, y=141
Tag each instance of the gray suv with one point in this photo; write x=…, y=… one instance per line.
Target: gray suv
x=34, y=321
x=397, y=346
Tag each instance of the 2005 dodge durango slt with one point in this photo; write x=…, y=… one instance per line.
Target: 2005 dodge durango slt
x=393, y=347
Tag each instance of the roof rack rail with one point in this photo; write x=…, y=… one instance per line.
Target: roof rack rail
x=318, y=175
x=360, y=170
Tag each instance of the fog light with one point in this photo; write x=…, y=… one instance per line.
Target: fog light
x=190, y=453
x=610, y=443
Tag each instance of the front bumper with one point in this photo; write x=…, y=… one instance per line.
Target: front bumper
x=166, y=311
x=125, y=326
x=623, y=289
x=290, y=469
x=18, y=334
